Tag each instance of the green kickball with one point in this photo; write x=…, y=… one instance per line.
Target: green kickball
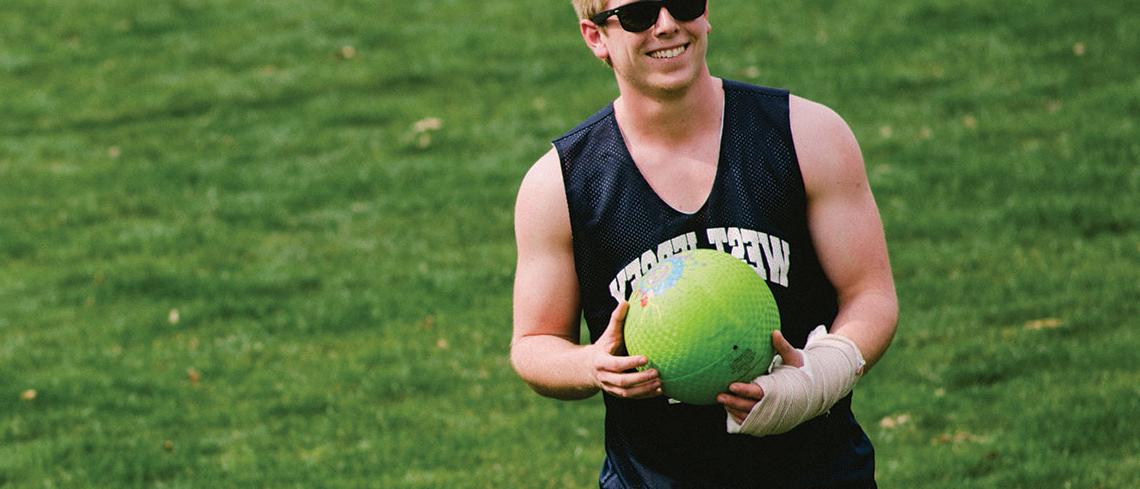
x=704, y=320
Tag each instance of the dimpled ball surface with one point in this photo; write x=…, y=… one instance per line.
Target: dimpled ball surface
x=704, y=320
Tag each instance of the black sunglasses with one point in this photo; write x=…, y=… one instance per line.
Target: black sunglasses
x=639, y=16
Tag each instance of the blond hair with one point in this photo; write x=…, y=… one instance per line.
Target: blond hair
x=587, y=8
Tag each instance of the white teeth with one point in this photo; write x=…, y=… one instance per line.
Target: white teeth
x=668, y=53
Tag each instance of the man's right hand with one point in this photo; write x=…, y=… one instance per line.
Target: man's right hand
x=611, y=369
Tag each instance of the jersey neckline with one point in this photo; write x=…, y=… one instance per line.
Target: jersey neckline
x=627, y=159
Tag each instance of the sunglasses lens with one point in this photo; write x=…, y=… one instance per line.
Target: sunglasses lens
x=685, y=10
x=637, y=17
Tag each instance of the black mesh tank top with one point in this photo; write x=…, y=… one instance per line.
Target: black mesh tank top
x=755, y=211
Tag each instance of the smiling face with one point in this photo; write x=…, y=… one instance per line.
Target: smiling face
x=664, y=59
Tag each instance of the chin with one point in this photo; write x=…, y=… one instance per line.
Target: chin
x=672, y=82
x=652, y=80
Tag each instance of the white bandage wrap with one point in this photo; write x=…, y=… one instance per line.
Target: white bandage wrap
x=832, y=366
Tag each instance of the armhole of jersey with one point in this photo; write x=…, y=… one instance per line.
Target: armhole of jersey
x=565, y=191
x=794, y=153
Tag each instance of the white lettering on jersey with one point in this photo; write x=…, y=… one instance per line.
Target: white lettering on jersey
x=648, y=261
x=751, y=238
x=617, y=286
x=777, y=254
x=717, y=237
x=735, y=243
x=769, y=255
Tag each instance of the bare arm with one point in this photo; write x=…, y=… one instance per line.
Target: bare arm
x=544, y=346
x=845, y=226
x=848, y=236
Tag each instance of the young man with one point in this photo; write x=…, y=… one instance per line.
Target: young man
x=683, y=160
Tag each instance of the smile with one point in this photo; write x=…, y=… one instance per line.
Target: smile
x=669, y=53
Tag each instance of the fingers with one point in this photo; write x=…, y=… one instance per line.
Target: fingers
x=617, y=320
x=623, y=380
x=612, y=370
x=738, y=414
x=790, y=355
x=619, y=364
x=632, y=385
x=614, y=336
x=637, y=392
x=618, y=316
x=740, y=399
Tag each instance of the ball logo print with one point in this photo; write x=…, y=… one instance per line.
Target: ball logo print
x=662, y=281
x=704, y=320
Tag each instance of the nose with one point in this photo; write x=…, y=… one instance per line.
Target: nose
x=665, y=22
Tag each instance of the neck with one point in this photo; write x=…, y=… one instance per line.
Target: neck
x=672, y=117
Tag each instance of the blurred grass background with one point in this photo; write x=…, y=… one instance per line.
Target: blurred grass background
x=269, y=244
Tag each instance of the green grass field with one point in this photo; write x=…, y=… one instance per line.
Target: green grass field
x=269, y=244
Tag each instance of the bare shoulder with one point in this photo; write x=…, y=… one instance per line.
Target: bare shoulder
x=546, y=172
x=545, y=255
x=825, y=146
x=540, y=208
